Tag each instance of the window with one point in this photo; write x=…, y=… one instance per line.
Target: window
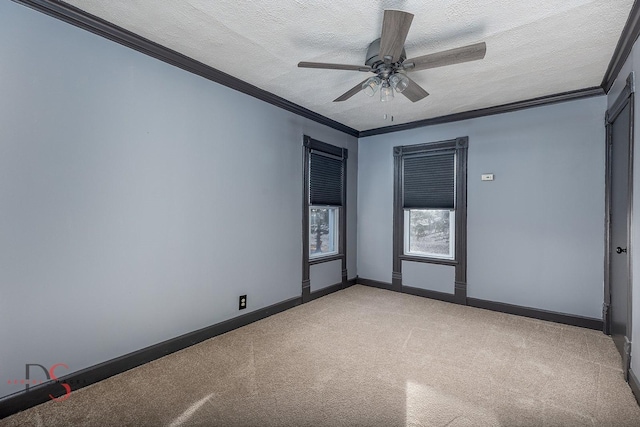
x=430, y=210
x=324, y=214
x=429, y=233
x=325, y=202
x=323, y=231
x=429, y=204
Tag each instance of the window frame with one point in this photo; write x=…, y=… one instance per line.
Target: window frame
x=310, y=146
x=460, y=147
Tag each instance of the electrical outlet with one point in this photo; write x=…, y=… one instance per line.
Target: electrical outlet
x=243, y=302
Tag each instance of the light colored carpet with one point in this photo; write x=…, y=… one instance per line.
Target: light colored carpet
x=368, y=357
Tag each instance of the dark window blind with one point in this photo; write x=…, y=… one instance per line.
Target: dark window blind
x=429, y=181
x=325, y=176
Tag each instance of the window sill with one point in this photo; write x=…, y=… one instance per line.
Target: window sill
x=327, y=258
x=441, y=261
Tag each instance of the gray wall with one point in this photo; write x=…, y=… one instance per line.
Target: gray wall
x=535, y=234
x=138, y=200
x=433, y=277
x=633, y=64
x=325, y=274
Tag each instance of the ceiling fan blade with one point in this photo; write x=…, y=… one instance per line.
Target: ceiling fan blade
x=348, y=94
x=414, y=91
x=395, y=27
x=326, y=66
x=448, y=57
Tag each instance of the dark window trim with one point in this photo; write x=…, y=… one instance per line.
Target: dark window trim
x=442, y=261
x=323, y=259
x=460, y=145
x=309, y=145
x=314, y=144
x=426, y=148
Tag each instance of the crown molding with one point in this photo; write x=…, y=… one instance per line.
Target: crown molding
x=629, y=35
x=499, y=109
x=79, y=18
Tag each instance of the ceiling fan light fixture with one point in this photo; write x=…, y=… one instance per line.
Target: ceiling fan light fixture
x=371, y=85
x=386, y=92
x=399, y=82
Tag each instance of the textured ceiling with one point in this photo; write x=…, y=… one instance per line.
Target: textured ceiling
x=534, y=48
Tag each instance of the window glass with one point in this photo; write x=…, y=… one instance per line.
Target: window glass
x=429, y=233
x=323, y=231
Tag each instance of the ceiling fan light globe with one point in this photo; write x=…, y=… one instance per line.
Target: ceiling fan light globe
x=370, y=87
x=399, y=82
x=386, y=92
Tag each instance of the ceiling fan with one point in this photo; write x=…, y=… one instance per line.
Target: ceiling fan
x=387, y=59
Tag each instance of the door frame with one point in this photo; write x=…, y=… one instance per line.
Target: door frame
x=626, y=97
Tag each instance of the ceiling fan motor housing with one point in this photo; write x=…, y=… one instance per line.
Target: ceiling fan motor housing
x=373, y=55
